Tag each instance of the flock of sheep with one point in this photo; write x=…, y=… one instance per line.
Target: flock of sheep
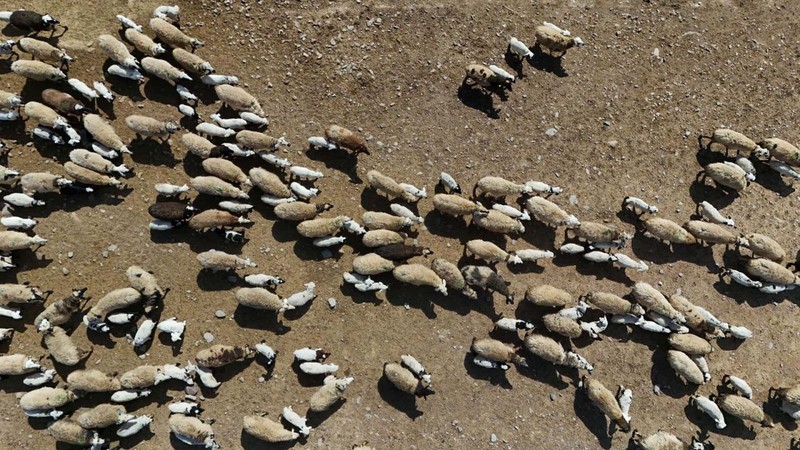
x=690, y=329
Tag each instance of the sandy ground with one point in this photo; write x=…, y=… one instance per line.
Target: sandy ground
x=627, y=110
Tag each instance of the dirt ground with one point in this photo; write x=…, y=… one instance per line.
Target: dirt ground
x=618, y=117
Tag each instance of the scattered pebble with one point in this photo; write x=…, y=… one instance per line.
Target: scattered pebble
x=493, y=438
x=550, y=132
x=332, y=303
x=220, y=314
x=208, y=337
x=552, y=397
x=656, y=389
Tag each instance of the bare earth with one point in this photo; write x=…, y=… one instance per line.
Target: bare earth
x=627, y=110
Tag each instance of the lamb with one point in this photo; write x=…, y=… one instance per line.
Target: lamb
x=329, y=394
x=499, y=187
x=274, y=160
x=216, y=260
x=739, y=385
x=83, y=88
x=299, y=299
x=148, y=127
x=92, y=380
x=744, y=409
x=103, y=133
x=212, y=130
x=226, y=170
x=419, y=275
x=512, y=212
x=44, y=115
x=70, y=432
x=605, y=401
x=167, y=12
x=256, y=141
x=502, y=73
x=762, y=246
x=342, y=137
x=269, y=183
x=549, y=213
x=44, y=51
x=213, y=219
x=61, y=311
x=17, y=364
x=627, y=262
x=389, y=186
x=543, y=188
x=316, y=228
x=172, y=36
x=45, y=399
x=37, y=71
x=125, y=72
x=405, y=381
x=728, y=175
x=316, y=368
x=14, y=240
x=685, y=368
x=497, y=222
x=770, y=271
x=690, y=344
x=731, y=140
x=88, y=176
x=653, y=300
x=214, y=79
x=551, y=351
x=267, y=430
x=104, y=415
x=380, y=238
x=449, y=183
x=134, y=425
x=489, y=252
x=382, y=221
x=95, y=162
x=164, y=70
x=778, y=149
x=128, y=23
x=62, y=101
x=238, y=99
x=709, y=233
x=192, y=62
x=47, y=134
x=143, y=42
x=496, y=351
x=455, y=205
x=372, y=264
x=222, y=355
x=667, y=230
x=229, y=123
x=548, y=296
x=556, y=43
x=304, y=173
x=709, y=212
x=303, y=192
x=117, y=51
x=209, y=185
x=22, y=200
x=707, y=406
x=486, y=278
x=638, y=205
x=191, y=430
x=509, y=324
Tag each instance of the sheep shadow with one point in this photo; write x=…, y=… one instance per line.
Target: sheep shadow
x=602, y=271
x=544, y=62
x=123, y=86
x=718, y=195
x=658, y=252
x=547, y=373
x=305, y=250
x=137, y=439
x=247, y=442
x=153, y=152
x=372, y=200
x=401, y=401
x=316, y=419
x=259, y=320
x=210, y=281
x=539, y=235
x=772, y=180
x=348, y=290
x=478, y=99
x=401, y=294
x=496, y=377
x=337, y=159
x=285, y=231
x=158, y=90
x=515, y=62
x=593, y=419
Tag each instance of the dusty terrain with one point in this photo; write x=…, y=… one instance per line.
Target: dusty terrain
x=627, y=110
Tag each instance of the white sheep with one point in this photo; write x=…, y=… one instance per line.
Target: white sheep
x=148, y=127
x=192, y=62
x=216, y=260
x=784, y=169
x=37, y=71
x=712, y=214
x=304, y=173
x=172, y=36
x=707, y=406
x=167, y=12
x=128, y=23
x=117, y=51
x=44, y=51
x=303, y=192
x=636, y=204
x=191, y=430
x=512, y=212
x=125, y=72
x=234, y=124
x=402, y=211
x=163, y=70
x=215, y=79
x=103, y=132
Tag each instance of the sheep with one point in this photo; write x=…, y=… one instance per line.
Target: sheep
x=405, y=381
x=113, y=301
x=92, y=380
x=301, y=298
x=30, y=21
x=663, y=440
x=145, y=376
x=14, y=240
x=739, y=385
x=70, y=432
x=303, y=192
x=554, y=41
x=143, y=42
x=117, y=51
x=88, y=176
x=499, y=187
x=685, y=368
x=45, y=399
x=20, y=293
x=653, y=300
x=455, y=205
x=372, y=264
x=147, y=127
x=562, y=325
x=709, y=233
x=125, y=72
x=636, y=204
x=389, y=186
x=551, y=351
x=489, y=252
x=549, y=213
x=226, y=170
x=61, y=311
x=478, y=74
x=690, y=344
x=210, y=185
x=200, y=146
x=216, y=260
x=238, y=99
x=379, y=238
x=762, y=246
x=214, y=79
x=486, y=278
x=596, y=232
x=145, y=282
x=9, y=100
x=299, y=211
x=172, y=36
x=709, y=212
x=329, y=394
x=260, y=298
x=497, y=222
x=103, y=415
x=728, y=175
x=22, y=200
x=744, y=409
x=192, y=62
x=256, y=141
x=103, y=133
x=213, y=219
x=605, y=401
x=43, y=51
x=171, y=211
x=342, y=137
x=697, y=318
x=548, y=296
x=269, y=183
x=779, y=149
x=612, y=304
x=731, y=140
x=267, y=430
x=62, y=101
x=382, y=221
x=401, y=252
x=770, y=271
x=419, y=275
x=667, y=230
x=61, y=347
x=95, y=162
x=191, y=430
x=222, y=355
x=167, y=12
x=37, y=71
x=44, y=115
x=17, y=364
x=451, y=275
x=321, y=227
x=497, y=351
x=163, y=70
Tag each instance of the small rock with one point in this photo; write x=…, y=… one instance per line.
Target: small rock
x=406, y=306
x=552, y=397
x=65, y=271
x=656, y=52
x=105, y=254
x=220, y=314
x=573, y=199
x=656, y=389
x=613, y=144
x=261, y=379
x=332, y=303
x=112, y=248
x=493, y=438
x=70, y=254
x=551, y=132
x=208, y=337
x=770, y=346
x=191, y=389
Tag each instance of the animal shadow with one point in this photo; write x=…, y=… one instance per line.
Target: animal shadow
x=478, y=99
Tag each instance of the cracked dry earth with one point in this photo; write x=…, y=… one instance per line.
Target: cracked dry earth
x=620, y=116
